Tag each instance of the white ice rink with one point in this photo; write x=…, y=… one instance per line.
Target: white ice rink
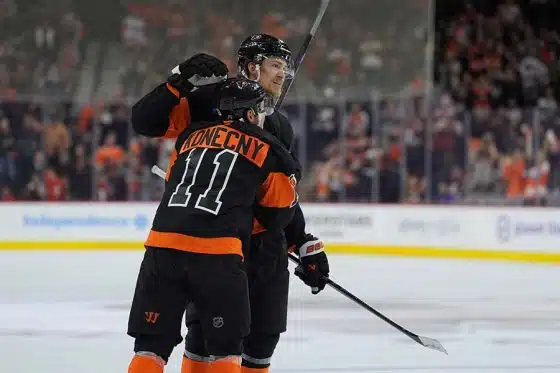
x=66, y=312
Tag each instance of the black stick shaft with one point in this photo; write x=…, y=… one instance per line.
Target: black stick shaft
x=427, y=342
x=303, y=50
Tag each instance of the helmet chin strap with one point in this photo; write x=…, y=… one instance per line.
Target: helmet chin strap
x=244, y=73
x=258, y=69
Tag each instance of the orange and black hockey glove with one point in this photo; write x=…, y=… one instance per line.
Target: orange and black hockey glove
x=314, y=267
x=201, y=69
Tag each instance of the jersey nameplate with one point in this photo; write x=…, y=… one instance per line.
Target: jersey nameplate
x=223, y=137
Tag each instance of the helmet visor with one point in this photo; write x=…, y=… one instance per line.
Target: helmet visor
x=278, y=64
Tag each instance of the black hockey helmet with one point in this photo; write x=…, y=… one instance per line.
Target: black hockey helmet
x=238, y=95
x=257, y=47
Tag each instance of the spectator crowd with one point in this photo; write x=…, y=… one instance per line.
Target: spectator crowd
x=369, y=126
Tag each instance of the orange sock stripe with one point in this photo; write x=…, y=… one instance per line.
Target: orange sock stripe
x=193, y=366
x=145, y=364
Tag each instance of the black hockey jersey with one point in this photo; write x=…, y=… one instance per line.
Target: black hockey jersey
x=162, y=113
x=222, y=174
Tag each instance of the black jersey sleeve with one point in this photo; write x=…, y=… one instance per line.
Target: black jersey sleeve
x=160, y=113
x=295, y=229
x=277, y=197
x=279, y=126
x=163, y=113
x=276, y=200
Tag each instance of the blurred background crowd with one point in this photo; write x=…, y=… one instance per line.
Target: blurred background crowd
x=406, y=101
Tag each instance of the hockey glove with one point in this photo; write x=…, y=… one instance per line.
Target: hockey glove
x=314, y=267
x=201, y=69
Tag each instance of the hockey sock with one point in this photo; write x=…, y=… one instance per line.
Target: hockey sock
x=146, y=364
x=228, y=364
x=193, y=366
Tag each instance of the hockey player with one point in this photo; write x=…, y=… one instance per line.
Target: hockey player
x=266, y=59
x=171, y=106
x=194, y=251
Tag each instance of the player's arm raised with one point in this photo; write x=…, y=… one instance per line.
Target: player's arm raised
x=166, y=111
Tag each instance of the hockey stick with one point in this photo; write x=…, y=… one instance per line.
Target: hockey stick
x=424, y=341
x=302, y=51
x=158, y=172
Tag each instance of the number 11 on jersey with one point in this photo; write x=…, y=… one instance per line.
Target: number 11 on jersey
x=196, y=170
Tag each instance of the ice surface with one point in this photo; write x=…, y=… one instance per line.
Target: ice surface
x=66, y=312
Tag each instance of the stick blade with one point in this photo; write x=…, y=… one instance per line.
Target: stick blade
x=432, y=343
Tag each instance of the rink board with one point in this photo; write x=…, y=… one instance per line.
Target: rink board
x=482, y=233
